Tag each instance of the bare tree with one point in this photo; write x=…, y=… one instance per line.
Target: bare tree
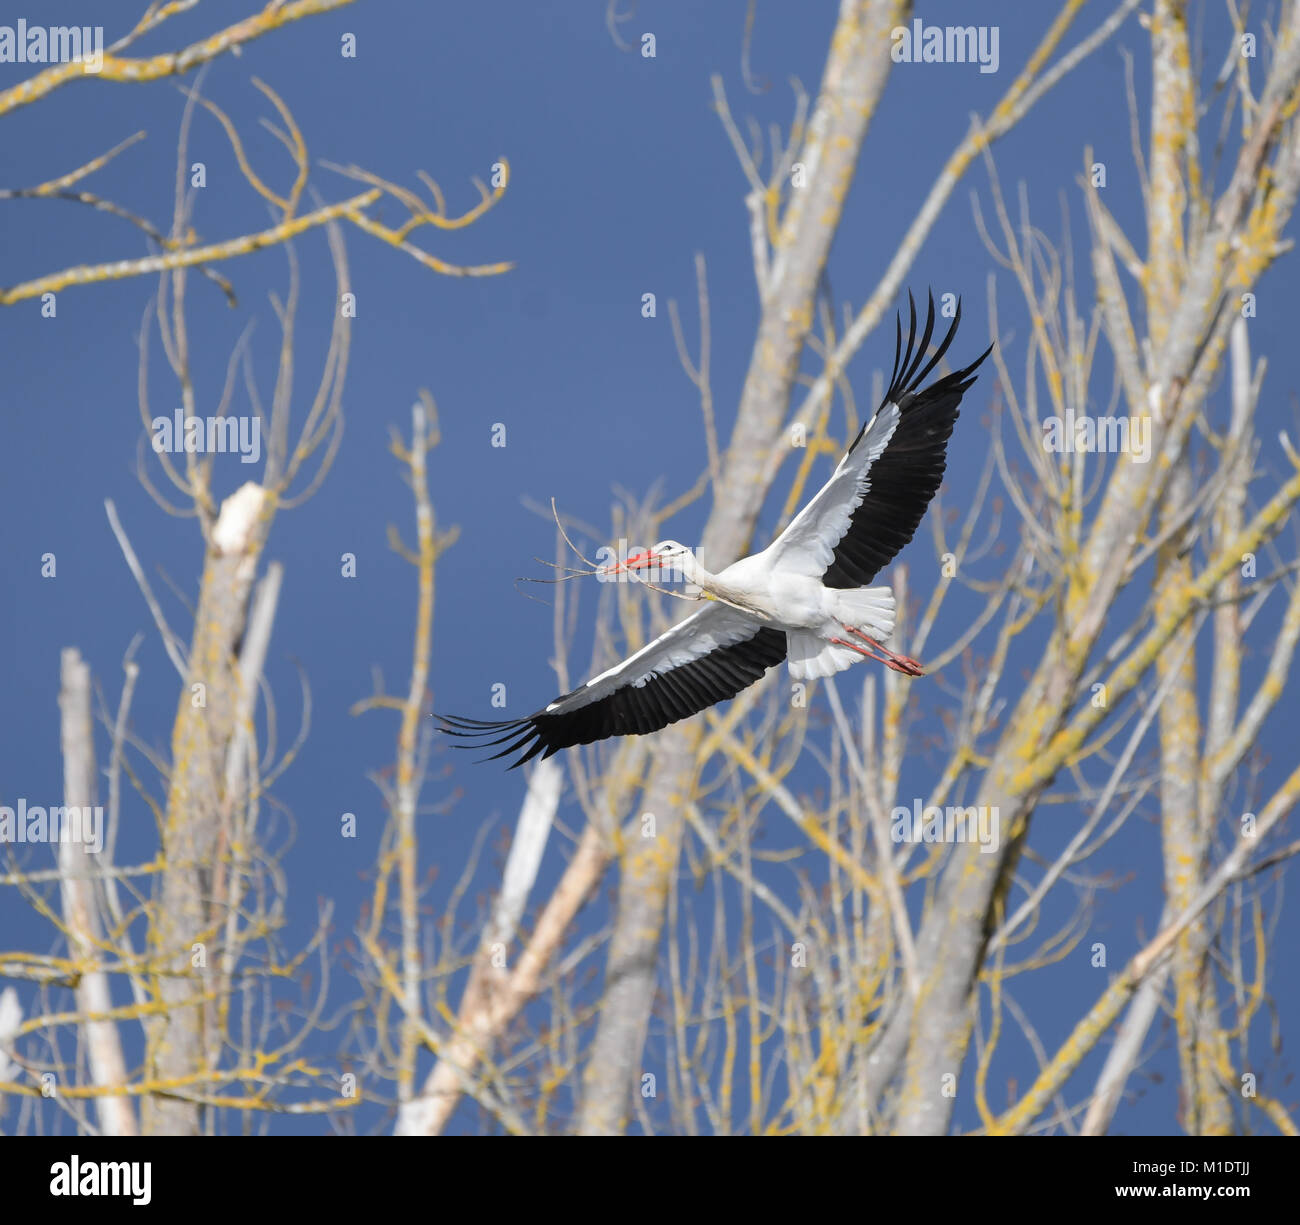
x=796, y=943
x=201, y=948
x=842, y=1015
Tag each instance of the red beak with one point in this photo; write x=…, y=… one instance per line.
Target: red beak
x=638, y=561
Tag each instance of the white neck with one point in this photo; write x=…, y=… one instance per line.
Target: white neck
x=695, y=573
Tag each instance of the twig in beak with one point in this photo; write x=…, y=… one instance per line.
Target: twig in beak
x=569, y=542
x=679, y=595
x=550, y=582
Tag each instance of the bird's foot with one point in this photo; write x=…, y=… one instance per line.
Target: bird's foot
x=876, y=650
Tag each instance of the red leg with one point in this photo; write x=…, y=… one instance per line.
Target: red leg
x=899, y=663
x=884, y=659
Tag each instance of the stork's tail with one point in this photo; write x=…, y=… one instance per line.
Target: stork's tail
x=870, y=610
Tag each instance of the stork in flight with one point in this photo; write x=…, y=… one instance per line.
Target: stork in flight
x=804, y=598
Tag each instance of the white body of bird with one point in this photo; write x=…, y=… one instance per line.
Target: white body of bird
x=813, y=616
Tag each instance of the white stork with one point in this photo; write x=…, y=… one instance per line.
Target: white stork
x=804, y=598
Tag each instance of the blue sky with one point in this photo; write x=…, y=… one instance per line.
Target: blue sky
x=620, y=173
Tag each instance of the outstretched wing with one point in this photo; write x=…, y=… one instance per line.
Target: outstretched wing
x=709, y=657
x=878, y=494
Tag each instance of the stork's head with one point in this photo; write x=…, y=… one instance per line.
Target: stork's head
x=670, y=553
x=666, y=555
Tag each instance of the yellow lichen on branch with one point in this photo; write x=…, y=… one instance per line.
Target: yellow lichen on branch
x=175, y=63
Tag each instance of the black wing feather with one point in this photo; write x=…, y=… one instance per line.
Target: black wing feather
x=632, y=710
x=910, y=470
